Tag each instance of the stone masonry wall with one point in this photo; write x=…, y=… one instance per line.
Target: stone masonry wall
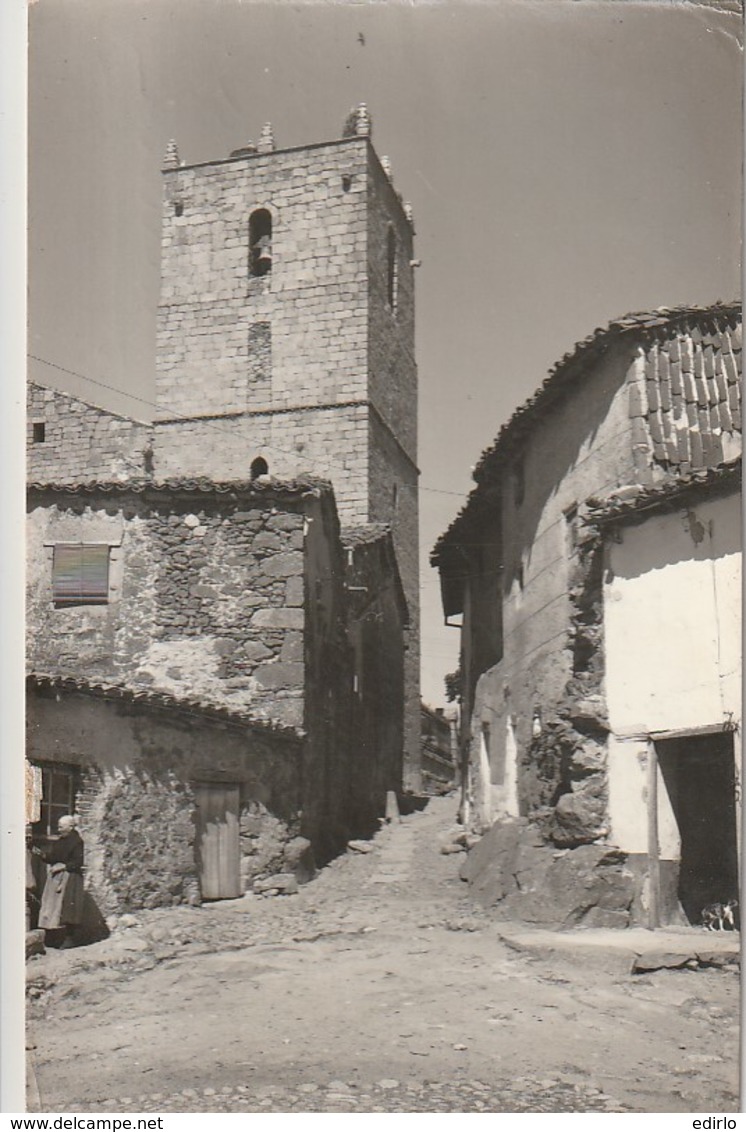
x=314, y=296
x=81, y=441
x=393, y=475
x=331, y=443
x=394, y=500
x=336, y=341
x=391, y=361
x=206, y=600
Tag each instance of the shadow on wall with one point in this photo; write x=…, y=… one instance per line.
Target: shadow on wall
x=556, y=443
x=695, y=540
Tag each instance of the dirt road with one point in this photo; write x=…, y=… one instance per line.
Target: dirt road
x=378, y=988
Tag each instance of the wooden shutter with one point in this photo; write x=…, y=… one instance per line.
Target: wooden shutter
x=80, y=575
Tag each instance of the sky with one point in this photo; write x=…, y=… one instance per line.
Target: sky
x=567, y=161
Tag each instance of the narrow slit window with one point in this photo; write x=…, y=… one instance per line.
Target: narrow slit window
x=80, y=575
x=39, y=432
x=260, y=242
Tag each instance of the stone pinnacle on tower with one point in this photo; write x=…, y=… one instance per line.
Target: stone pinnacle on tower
x=358, y=123
x=266, y=142
x=171, y=160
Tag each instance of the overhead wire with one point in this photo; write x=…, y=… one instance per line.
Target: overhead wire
x=331, y=463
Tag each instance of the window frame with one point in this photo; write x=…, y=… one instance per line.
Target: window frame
x=45, y=829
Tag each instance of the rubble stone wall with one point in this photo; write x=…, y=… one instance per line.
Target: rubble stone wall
x=205, y=599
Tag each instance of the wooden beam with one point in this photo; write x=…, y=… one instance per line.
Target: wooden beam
x=654, y=873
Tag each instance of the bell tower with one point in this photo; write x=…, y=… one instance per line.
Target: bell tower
x=286, y=332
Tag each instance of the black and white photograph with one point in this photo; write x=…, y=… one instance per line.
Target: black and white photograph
x=382, y=558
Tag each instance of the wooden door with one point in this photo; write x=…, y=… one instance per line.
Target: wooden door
x=218, y=845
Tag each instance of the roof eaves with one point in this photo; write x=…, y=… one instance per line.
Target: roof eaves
x=162, y=700
x=631, y=502
x=261, y=489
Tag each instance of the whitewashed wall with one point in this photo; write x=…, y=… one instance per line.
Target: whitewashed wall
x=672, y=625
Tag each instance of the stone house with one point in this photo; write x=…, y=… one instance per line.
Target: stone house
x=577, y=655
x=191, y=651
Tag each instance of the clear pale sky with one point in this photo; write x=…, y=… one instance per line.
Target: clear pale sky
x=567, y=160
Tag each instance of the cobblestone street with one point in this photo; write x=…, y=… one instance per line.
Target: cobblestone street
x=378, y=988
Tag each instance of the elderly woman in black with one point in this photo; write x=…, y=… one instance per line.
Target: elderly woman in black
x=62, y=900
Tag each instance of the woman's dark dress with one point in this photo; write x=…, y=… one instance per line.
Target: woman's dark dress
x=67, y=911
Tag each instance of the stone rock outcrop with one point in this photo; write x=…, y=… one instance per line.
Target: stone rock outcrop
x=35, y=943
x=283, y=884
x=578, y=818
x=513, y=870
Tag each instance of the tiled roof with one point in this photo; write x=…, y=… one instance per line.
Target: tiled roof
x=162, y=700
x=262, y=488
x=642, y=325
x=638, y=497
x=476, y=502
x=364, y=534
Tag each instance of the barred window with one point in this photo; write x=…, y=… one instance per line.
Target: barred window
x=80, y=574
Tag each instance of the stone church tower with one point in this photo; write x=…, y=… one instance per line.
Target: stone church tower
x=286, y=336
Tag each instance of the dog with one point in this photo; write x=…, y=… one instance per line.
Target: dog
x=719, y=917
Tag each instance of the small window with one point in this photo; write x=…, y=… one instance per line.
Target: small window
x=39, y=432
x=260, y=242
x=346, y=183
x=58, y=790
x=80, y=575
x=392, y=274
x=178, y=208
x=259, y=467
